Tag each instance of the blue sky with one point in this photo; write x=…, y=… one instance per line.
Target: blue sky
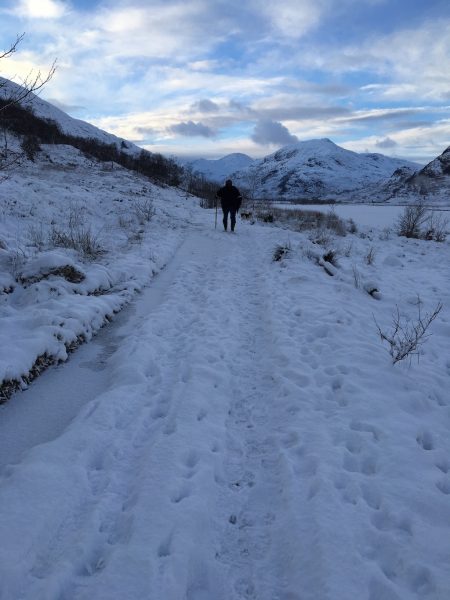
x=207, y=78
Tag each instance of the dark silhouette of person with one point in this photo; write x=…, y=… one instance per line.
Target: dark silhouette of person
x=230, y=200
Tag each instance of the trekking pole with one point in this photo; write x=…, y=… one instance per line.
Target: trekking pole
x=215, y=222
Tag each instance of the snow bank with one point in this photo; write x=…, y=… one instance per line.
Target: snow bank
x=52, y=298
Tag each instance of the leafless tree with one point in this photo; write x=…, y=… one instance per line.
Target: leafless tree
x=18, y=94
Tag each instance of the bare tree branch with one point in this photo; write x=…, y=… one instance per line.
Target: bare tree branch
x=13, y=47
x=13, y=95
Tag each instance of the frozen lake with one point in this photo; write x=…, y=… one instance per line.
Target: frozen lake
x=363, y=214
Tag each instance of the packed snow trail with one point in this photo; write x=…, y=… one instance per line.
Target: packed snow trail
x=250, y=442
x=177, y=483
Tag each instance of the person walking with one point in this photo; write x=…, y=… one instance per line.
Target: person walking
x=230, y=200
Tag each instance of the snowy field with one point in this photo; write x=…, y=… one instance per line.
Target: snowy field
x=363, y=214
x=238, y=431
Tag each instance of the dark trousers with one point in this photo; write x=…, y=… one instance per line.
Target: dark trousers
x=232, y=218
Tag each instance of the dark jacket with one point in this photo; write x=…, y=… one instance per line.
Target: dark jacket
x=230, y=197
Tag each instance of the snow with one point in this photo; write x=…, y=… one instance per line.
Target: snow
x=238, y=431
x=64, y=194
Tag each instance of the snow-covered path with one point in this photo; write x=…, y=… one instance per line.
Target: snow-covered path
x=167, y=495
x=229, y=455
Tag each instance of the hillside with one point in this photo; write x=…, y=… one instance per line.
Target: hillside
x=28, y=124
x=67, y=124
x=431, y=182
x=221, y=169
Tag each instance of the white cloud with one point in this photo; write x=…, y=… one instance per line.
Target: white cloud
x=420, y=144
x=40, y=9
x=191, y=129
x=268, y=132
x=293, y=18
x=388, y=142
x=413, y=62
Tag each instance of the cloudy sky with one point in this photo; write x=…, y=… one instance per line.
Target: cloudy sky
x=210, y=77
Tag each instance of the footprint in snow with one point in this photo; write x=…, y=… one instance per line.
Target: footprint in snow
x=444, y=486
x=443, y=465
x=425, y=440
x=371, y=496
x=181, y=494
x=366, y=428
x=385, y=521
x=366, y=465
x=202, y=413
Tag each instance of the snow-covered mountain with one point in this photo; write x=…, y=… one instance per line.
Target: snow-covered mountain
x=317, y=170
x=222, y=168
x=432, y=182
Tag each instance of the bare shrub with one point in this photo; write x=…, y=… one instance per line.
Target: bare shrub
x=322, y=237
x=30, y=145
x=369, y=259
x=331, y=256
x=356, y=277
x=79, y=238
x=17, y=260
x=281, y=251
x=37, y=236
x=144, y=210
x=124, y=222
x=336, y=224
x=351, y=226
x=406, y=337
x=385, y=234
x=411, y=220
x=436, y=227
x=348, y=250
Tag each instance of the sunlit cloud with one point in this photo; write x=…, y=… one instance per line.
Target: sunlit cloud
x=40, y=9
